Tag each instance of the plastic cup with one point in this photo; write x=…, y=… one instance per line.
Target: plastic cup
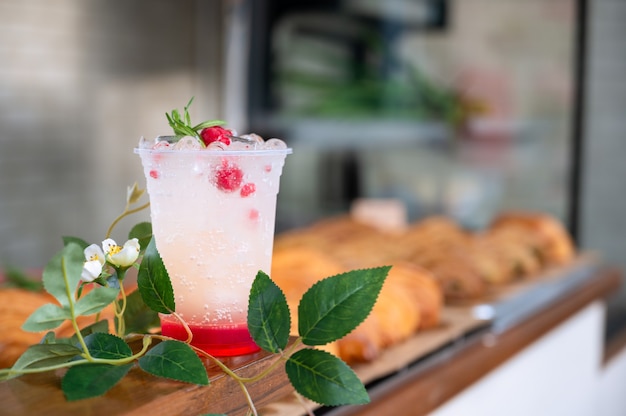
x=213, y=216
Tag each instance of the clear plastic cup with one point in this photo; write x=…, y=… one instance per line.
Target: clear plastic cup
x=213, y=216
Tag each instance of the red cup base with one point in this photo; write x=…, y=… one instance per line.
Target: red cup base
x=224, y=341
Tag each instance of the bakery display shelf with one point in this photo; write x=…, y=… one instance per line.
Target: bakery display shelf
x=463, y=323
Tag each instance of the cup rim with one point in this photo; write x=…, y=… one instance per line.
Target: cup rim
x=199, y=152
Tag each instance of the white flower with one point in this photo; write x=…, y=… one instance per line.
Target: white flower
x=94, y=260
x=121, y=256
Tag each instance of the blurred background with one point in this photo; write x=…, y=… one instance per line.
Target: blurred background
x=461, y=107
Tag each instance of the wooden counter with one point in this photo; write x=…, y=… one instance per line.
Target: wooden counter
x=140, y=393
x=444, y=367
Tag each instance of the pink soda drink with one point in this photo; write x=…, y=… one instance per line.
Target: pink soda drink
x=213, y=212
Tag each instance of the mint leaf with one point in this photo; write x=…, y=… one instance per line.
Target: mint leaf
x=101, y=345
x=143, y=233
x=324, y=378
x=44, y=355
x=175, y=360
x=62, y=273
x=46, y=317
x=333, y=307
x=138, y=317
x=91, y=380
x=209, y=123
x=269, y=321
x=153, y=282
x=182, y=125
x=95, y=300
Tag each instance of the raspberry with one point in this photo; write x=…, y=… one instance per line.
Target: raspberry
x=228, y=177
x=154, y=174
x=247, y=189
x=215, y=134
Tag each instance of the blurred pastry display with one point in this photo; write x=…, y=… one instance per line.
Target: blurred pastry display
x=434, y=261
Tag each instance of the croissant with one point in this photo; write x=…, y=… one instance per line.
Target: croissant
x=295, y=271
x=552, y=242
x=394, y=318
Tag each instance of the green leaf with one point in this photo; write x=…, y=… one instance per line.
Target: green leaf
x=101, y=345
x=46, y=317
x=97, y=327
x=324, y=378
x=49, y=338
x=91, y=380
x=81, y=243
x=209, y=123
x=45, y=355
x=175, y=360
x=333, y=307
x=62, y=273
x=269, y=321
x=143, y=233
x=95, y=300
x=154, y=283
x=15, y=277
x=138, y=317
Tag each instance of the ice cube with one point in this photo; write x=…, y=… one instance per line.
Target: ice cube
x=253, y=137
x=275, y=144
x=145, y=144
x=217, y=145
x=187, y=143
x=240, y=145
x=161, y=145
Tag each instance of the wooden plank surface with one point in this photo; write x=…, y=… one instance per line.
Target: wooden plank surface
x=142, y=394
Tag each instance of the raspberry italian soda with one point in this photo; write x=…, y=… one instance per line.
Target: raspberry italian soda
x=213, y=208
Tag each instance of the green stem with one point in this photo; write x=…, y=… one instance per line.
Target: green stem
x=126, y=212
x=120, y=309
x=70, y=300
x=147, y=341
x=284, y=355
x=248, y=398
x=184, y=324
